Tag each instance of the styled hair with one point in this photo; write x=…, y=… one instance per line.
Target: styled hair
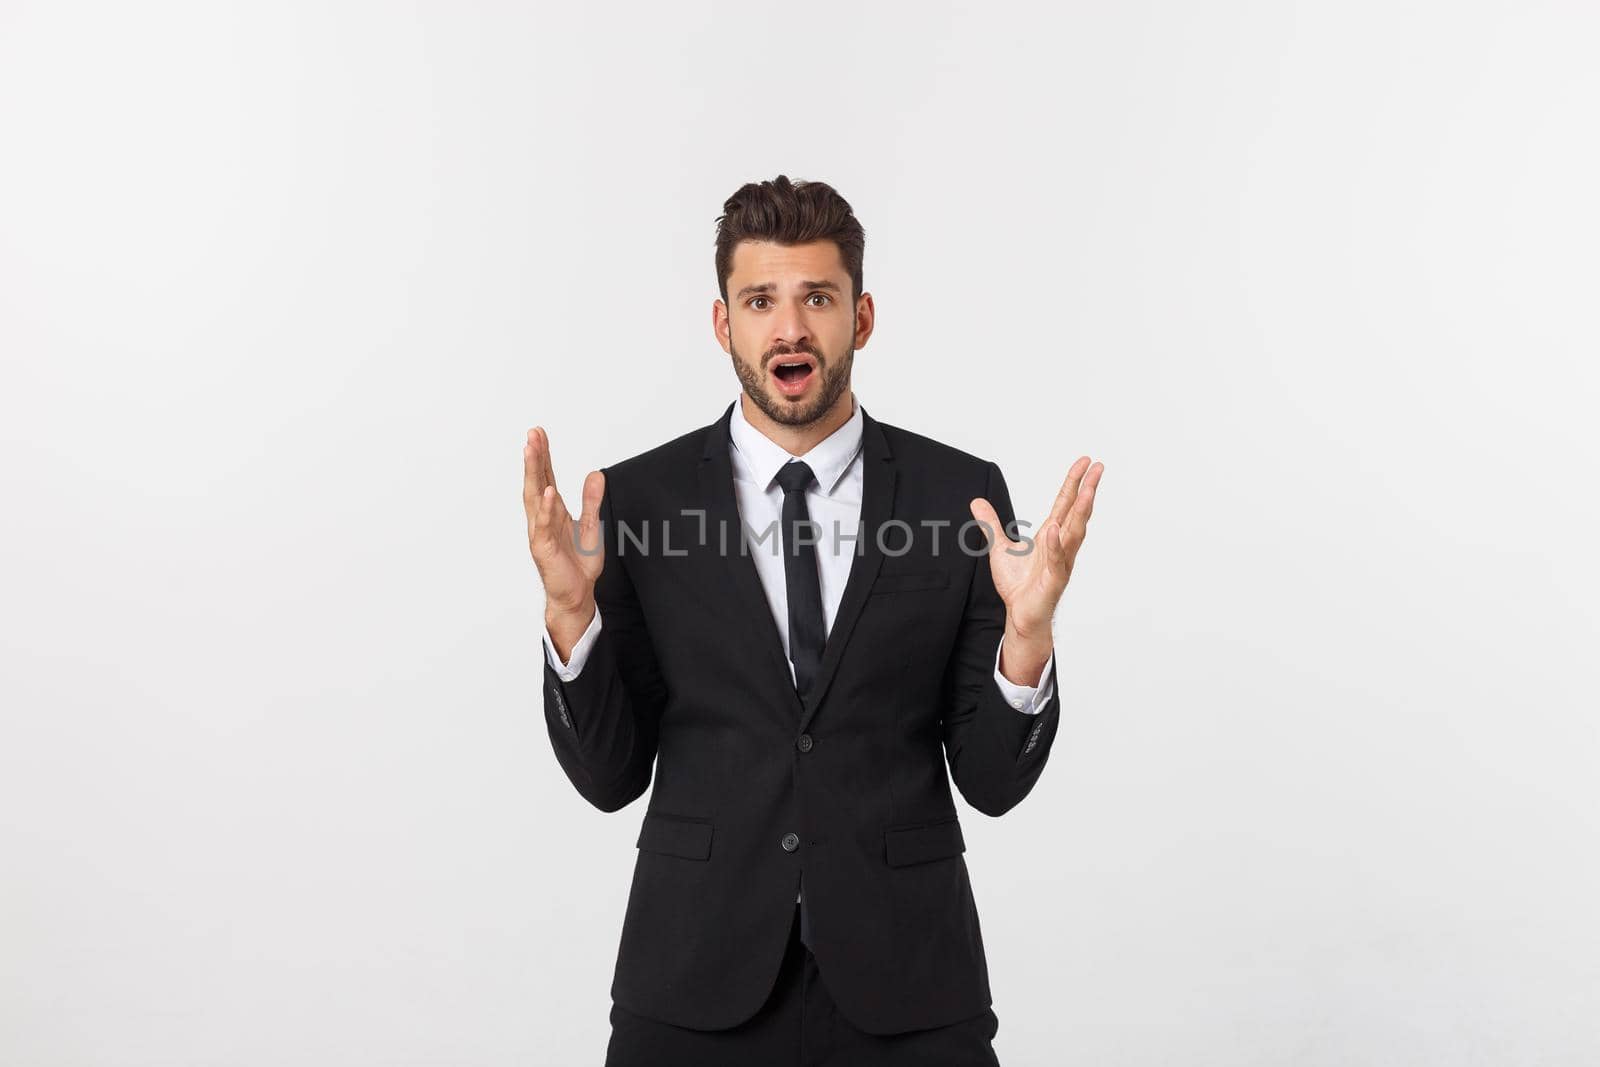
x=789, y=213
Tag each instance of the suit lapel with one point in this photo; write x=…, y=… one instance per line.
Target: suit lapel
x=722, y=514
x=877, y=507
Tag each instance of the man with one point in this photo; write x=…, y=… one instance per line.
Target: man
x=794, y=614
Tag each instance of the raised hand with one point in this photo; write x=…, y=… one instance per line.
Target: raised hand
x=568, y=574
x=1031, y=582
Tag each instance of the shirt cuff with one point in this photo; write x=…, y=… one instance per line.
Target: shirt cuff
x=568, y=671
x=1028, y=699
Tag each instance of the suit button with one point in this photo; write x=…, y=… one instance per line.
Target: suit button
x=790, y=842
x=804, y=743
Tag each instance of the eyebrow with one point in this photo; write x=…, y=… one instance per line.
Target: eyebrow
x=768, y=287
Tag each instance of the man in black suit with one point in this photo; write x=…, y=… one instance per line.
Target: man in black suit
x=796, y=616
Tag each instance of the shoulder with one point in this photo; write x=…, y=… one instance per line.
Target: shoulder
x=944, y=479
x=919, y=449
x=672, y=455
x=660, y=478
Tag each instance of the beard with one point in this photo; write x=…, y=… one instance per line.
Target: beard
x=833, y=380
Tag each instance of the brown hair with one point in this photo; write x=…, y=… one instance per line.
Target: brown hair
x=789, y=213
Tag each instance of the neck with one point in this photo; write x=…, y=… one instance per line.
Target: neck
x=798, y=440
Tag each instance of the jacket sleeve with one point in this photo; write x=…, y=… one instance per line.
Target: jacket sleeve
x=604, y=723
x=995, y=752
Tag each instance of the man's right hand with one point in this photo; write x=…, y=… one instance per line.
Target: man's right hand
x=568, y=574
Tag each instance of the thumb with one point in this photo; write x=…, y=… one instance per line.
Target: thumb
x=594, y=488
x=984, y=512
x=1053, y=537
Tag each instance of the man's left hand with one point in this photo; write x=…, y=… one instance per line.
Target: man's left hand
x=1031, y=582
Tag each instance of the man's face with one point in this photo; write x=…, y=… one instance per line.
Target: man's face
x=791, y=328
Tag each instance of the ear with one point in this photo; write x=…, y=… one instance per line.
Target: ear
x=866, y=317
x=719, y=325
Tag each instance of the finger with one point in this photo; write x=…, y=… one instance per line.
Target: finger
x=549, y=467
x=531, y=476
x=553, y=521
x=1067, y=495
x=1083, y=507
x=539, y=521
x=558, y=505
x=984, y=512
x=532, y=467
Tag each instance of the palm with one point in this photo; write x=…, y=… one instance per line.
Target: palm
x=568, y=573
x=1031, y=579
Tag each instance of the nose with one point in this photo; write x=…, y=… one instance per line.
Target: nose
x=789, y=328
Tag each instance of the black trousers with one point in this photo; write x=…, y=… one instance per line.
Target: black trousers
x=798, y=1026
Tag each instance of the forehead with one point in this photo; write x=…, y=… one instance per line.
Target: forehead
x=766, y=261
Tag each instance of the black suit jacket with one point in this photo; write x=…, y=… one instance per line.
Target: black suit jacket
x=688, y=675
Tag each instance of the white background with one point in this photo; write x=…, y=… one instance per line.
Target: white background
x=283, y=286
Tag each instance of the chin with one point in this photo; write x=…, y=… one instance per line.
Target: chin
x=789, y=412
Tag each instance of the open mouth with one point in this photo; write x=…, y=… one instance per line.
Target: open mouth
x=793, y=373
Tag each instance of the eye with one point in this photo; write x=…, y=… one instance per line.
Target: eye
x=753, y=299
x=824, y=296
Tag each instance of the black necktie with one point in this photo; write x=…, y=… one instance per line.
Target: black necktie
x=806, y=633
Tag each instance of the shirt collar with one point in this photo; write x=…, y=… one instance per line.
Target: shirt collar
x=760, y=457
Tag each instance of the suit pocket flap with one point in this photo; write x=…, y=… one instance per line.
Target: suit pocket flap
x=675, y=836
x=918, y=844
x=894, y=583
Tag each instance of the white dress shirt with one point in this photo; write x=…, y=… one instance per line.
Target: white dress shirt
x=834, y=497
